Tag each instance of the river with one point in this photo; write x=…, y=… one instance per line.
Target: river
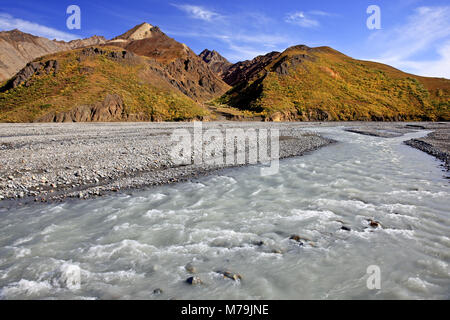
x=126, y=246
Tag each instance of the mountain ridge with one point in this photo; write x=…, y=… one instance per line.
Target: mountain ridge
x=298, y=84
x=215, y=61
x=188, y=72
x=306, y=84
x=160, y=71
x=18, y=48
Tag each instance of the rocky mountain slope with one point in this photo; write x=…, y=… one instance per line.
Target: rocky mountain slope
x=187, y=72
x=245, y=70
x=101, y=84
x=215, y=61
x=305, y=84
x=18, y=48
x=142, y=75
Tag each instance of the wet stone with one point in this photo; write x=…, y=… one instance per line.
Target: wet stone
x=157, y=291
x=374, y=224
x=231, y=275
x=194, y=281
x=190, y=268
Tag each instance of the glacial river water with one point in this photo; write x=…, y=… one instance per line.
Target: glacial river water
x=126, y=246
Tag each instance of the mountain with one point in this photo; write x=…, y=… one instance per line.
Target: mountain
x=100, y=83
x=142, y=75
x=245, y=70
x=305, y=84
x=215, y=61
x=18, y=48
x=187, y=72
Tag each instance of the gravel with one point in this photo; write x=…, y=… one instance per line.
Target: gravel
x=437, y=143
x=53, y=162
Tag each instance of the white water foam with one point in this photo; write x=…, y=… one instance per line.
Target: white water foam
x=125, y=246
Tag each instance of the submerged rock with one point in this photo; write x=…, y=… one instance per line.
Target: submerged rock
x=258, y=243
x=374, y=224
x=298, y=238
x=230, y=275
x=302, y=240
x=194, y=281
x=190, y=268
x=157, y=291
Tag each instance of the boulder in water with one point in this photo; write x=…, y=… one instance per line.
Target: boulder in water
x=194, y=281
x=157, y=291
x=301, y=240
x=230, y=275
x=374, y=224
x=258, y=243
x=190, y=268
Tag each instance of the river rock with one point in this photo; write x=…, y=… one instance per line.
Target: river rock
x=190, y=268
x=194, y=281
x=258, y=243
x=277, y=251
x=230, y=275
x=157, y=291
x=374, y=224
x=298, y=238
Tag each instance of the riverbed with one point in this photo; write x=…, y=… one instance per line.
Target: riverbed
x=128, y=245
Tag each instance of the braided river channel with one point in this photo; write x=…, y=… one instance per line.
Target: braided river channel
x=136, y=245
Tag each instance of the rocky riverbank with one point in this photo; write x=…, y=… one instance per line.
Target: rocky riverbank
x=437, y=143
x=53, y=162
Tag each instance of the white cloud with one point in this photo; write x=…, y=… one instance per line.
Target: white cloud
x=8, y=22
x=243, y=35
x=321, y=13
x=426, y=33
x=301, y=19
x=439, y=67
x=242, y=46
x=240, y=52
x=263, y=39
x=198, y=12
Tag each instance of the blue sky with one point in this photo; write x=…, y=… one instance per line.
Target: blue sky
x=414, y=34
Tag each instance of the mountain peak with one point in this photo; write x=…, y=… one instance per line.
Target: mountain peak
x=139, y=32
x=215, y=61
x=208, y=56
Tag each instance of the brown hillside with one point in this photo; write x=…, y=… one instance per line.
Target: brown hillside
x=321, y=83
x=18, y=48
x=215, y=61
x=188, y=72
x=94, y=84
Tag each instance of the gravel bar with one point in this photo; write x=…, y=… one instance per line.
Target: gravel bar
x=54, y=162
x=437, y=143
